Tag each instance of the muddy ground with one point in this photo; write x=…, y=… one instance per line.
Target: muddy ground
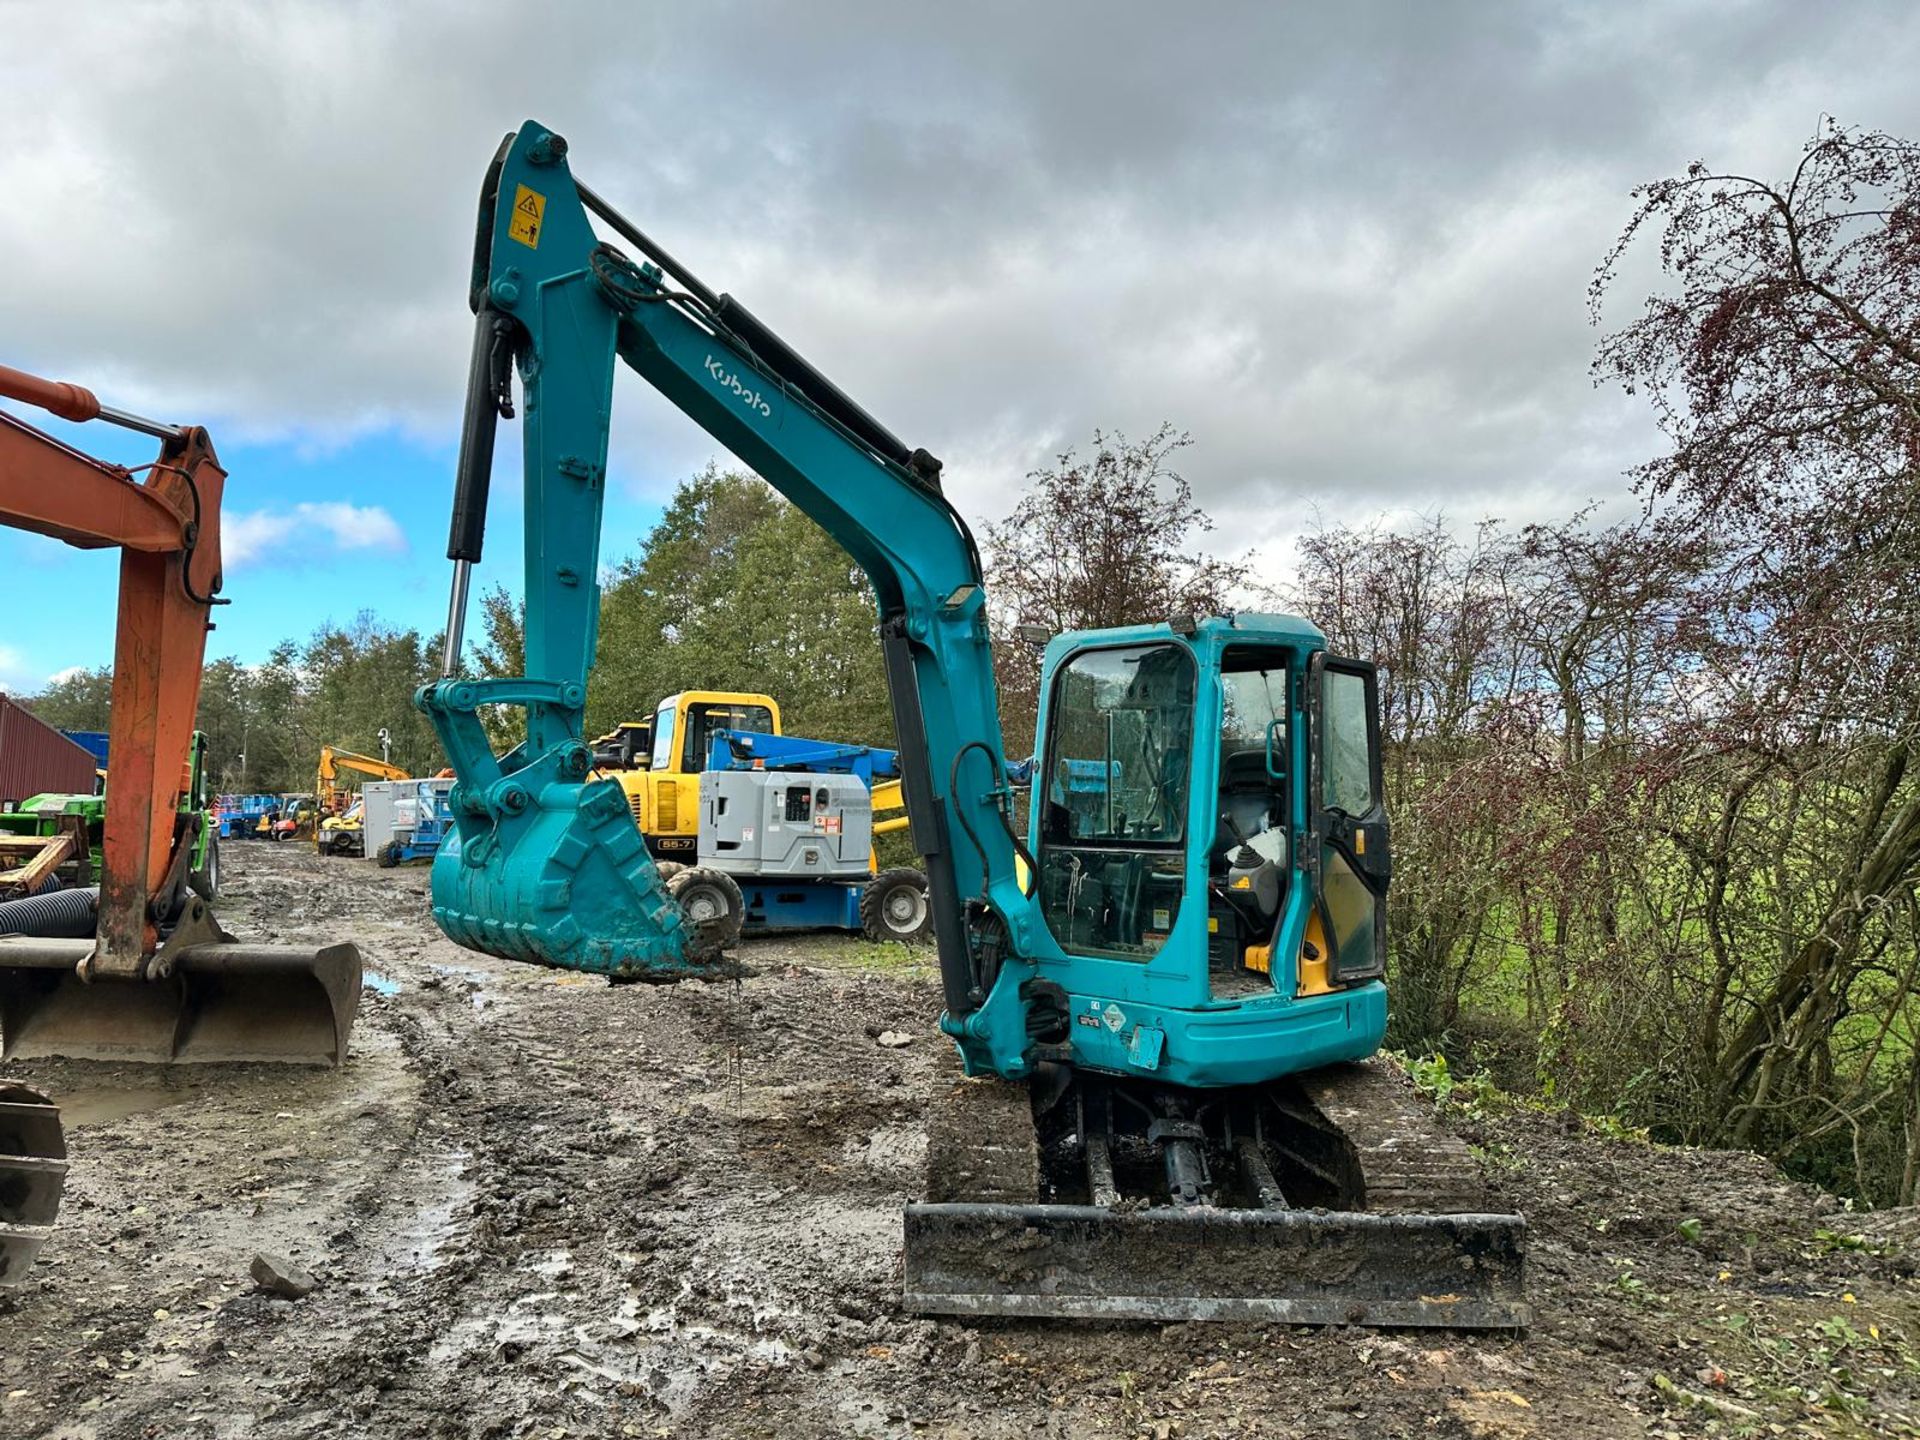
x=538, y=1206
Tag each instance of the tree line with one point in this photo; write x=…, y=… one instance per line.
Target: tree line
x=265, y=723
x=1654, y=781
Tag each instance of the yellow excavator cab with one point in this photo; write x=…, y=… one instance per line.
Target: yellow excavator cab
x=663, y=790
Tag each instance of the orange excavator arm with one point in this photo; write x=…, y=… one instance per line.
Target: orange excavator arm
x=166, y=523
x=70, y=963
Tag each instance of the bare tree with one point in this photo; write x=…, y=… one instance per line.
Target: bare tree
x=1785, y=369
x=1107, y=538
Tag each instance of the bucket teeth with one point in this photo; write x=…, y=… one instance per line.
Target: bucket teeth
x=33, y=1172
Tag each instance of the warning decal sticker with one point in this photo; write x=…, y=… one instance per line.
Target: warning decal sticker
x=529, y=209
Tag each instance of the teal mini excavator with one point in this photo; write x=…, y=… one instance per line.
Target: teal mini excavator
x=1163, y=986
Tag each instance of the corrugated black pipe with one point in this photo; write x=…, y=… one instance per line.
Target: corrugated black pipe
x=56, y=915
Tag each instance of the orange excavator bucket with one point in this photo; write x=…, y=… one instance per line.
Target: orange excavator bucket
x=206, y=997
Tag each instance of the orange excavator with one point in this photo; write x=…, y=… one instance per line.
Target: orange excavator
x=137, y=967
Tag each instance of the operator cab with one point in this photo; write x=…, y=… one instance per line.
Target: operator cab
x=1132, y=731
x=683, y=730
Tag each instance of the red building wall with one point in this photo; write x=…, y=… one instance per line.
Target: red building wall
x=36, y=758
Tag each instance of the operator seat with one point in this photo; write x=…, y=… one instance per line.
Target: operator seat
x=1248, y=798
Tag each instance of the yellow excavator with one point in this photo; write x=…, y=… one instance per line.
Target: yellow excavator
x=657, y=763
x=342, y=830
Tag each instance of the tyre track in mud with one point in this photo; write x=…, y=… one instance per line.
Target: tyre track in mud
x=588, y=1264
x=548, y=1238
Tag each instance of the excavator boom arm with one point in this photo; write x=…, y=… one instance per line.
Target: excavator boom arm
x=333, y=760
x=564, y=306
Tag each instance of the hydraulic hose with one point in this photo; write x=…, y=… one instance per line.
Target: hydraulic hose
x=953, y=789
x=54, y=915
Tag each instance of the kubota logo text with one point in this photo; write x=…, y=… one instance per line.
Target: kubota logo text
x=730, y=381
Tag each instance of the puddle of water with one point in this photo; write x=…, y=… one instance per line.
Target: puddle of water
x=474, y=980
x=102, y=1105
x=665, y=1321
x=383, y=984
x=466, y=972
x=524, y=1321
x=673, y=1360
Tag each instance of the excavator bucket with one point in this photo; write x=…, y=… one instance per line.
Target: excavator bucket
x=211, y=998
x=33, y=1172
x=567, y=882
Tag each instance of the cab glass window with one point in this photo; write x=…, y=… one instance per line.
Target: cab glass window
x=706, y=719
x=1253, y=746
x=662, y=739
x=1346, y=755
x=1122, y=732
x=1115, y=779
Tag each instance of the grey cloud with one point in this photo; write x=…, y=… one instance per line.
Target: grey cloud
x=1346, y=246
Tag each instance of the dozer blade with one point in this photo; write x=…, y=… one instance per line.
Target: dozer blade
x=1297, y=1267
x=1388, y=1223
x=223, y=1001
x=33, y=1171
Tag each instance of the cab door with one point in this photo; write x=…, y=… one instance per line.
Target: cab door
x=1351, y=836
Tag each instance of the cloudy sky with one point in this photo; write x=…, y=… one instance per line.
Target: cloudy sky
x=1346, y=246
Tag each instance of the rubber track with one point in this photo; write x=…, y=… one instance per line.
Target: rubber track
x=33, y=1172
x=1410, y=1165
x=981, y=1144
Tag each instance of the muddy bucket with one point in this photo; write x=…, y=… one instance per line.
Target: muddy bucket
x=33, y=1171
x=1292, y=1267
x=221, y=1001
